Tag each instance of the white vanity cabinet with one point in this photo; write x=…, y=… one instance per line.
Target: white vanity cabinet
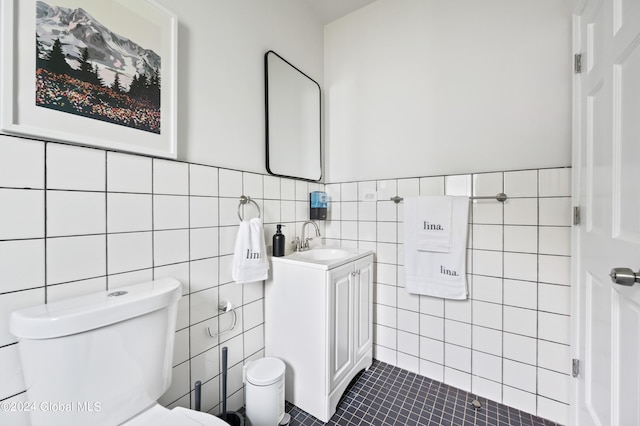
x=319, y=321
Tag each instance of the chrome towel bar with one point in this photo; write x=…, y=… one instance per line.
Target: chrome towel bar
x=502, y=197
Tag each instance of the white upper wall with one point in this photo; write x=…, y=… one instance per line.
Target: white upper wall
x=426, y=87
x=221, y=73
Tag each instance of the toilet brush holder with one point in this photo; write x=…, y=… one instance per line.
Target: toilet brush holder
x=231, y=417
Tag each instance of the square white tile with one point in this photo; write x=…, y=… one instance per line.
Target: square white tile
x=170, y=212
x=522, y=294
x=487, y=289
x=73, y=167
x=179, y=271
x=386, y=273
x=385, y=315
x=203, y=212
x=203, y=180
x=519, y=348
x=385, y=336
x=432, y=185
x=386, y=189
x=408, y=321
x=409, y=362
x=487, y=314
x=408, y=343
x=385, y=294
x=129, y=173
x=457, y=185
x=554, y=385
x=367, y=191
x=129, y=212
x=75, y=213
x=408, y=301
x=555, y=211
x=458, y=310
x=487, y=340
x=204, y=274
x=204, y=305
x=519, y=399
x=554, y=327
x=367, y=210
x=486, y=388
x=21, y=265
x=554, y=298
x=21, y=214
x=408, y=187
x=170, y=177
x=252, y=185
x=520, y=321
x=521, y=211
x=518, y=375
x=487, y=212
x=129, y=278
x=253, y=314
x=170, y=247
x=287, y=189
x=254, y=340
x=386, y=211
x=457, y=333
x=555, y=182
x=302, y=190
x=521, y=266
x=523, y=239
x=432, y=306
x=272, y=188
x=349, y=191
x=554, y=356
x=21, y=163
x=10, y=302
x=432, y=370
x=555, y=240
x=387, y=232
x=487, y=366
x=457, y=378
x=487, y=237
x=12, y=378
x=204, y=243
x=76, y=258
x=432, y=350
x=555, y=269
x=522, y=183
x=432, y=327
x=348, y=211
x=487, y=184
x=129, y=252
x=487, y=263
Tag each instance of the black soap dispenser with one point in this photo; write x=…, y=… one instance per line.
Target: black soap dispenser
x=278, y=242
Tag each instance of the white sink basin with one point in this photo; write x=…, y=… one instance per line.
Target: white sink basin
x=323, y=257
x=324, y=254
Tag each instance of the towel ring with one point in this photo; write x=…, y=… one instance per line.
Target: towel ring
x=244, y=200
x=223, y=308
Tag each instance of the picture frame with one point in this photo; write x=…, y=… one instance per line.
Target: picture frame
x=41, y=102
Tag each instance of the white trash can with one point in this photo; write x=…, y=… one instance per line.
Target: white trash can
x=264, y=397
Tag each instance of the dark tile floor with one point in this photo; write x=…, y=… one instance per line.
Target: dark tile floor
x=388, y=395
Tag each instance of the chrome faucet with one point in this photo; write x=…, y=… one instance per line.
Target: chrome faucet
x=302, y=243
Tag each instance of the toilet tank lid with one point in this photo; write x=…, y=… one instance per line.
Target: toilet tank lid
x=95, y=310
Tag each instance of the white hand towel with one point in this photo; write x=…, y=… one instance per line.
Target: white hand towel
x=438, y=274
x=250, y=257
x=431, y=223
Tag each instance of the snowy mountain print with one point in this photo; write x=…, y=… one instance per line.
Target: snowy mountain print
x=84, y=68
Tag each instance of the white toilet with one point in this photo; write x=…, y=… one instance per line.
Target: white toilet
x=104, y=358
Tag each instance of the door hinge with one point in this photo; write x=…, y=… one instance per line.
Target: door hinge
x=576, y=215
x=577, y=63
x=575, y=367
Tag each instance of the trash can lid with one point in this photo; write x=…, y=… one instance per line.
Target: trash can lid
x=265, y=371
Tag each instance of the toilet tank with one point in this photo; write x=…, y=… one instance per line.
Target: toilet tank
x=99, y=358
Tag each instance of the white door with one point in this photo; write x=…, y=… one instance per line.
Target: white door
x=340, y=281
x=607, y=188
x=363, y=298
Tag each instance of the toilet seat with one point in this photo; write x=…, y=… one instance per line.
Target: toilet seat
x=161, y=416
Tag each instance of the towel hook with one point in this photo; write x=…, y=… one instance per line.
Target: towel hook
x=244, y=200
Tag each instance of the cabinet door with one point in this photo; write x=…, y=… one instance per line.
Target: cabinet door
x=340, y=323
x=363, y=298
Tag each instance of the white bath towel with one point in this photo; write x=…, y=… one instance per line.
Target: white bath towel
x=432, y=222
x=432, y=273
x=250, y=261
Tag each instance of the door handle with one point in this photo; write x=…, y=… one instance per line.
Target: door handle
x=624, y=276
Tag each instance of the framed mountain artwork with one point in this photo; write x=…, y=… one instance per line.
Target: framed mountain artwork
x=90, y=72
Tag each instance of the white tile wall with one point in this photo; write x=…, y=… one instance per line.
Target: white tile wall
x=101, y=220
x=509, y=342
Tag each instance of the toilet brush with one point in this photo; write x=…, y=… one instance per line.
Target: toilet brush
x=232, y=417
